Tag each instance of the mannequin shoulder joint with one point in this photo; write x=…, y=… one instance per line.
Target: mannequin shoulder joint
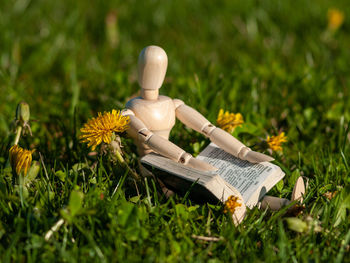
x=127, y=112
x=178, y=103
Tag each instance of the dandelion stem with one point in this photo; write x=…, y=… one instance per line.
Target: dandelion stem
x=116, y=151
x=18, y=135
x=119, y=156
x=53, y=229
x=135, y=175
x=47, y=176
x=124, y=163
x=21, y=181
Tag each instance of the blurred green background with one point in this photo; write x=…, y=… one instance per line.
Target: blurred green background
x=258, y=56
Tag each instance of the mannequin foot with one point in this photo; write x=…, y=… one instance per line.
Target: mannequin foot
x=298, y=190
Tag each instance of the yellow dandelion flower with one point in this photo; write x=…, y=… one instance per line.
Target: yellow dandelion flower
x=231, y=204
x=20, y=159
x=335, y=18
x=229, y=121
x=275, y=142
x=330, y=195
x=101, y=128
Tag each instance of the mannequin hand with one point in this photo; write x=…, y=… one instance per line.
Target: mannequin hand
x=256, y=157
x=200, y=165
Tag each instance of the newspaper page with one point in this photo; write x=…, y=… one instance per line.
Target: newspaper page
x=246, y=177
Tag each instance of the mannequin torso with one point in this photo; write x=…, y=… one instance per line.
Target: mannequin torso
x=157, y=115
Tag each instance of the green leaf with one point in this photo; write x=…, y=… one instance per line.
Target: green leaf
x=296, y=224
x=341, y=214
x=293, y=177
x=144, y=233
x=181, y=211
x=197, y=147
x=280, y=186
x=193, y=208
x=77, y=167
x=61, y=175
x=133, y=233
x=176, y=247
x=248, y=127
x=75, y=202
x=134, y=199
x=335, y=111
x=125, y=213
x=93, y=180
x=66, y=215
x=32, y=173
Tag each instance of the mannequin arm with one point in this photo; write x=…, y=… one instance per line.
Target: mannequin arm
x=193, y=119
x=163, y=146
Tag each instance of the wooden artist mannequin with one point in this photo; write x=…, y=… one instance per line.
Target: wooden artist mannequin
x=152, y=117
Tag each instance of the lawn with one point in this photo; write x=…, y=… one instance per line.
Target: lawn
x=284, y=65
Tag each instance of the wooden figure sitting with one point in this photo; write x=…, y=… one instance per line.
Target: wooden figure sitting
x=152, y=116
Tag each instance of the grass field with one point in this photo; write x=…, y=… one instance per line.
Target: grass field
x=281, y=64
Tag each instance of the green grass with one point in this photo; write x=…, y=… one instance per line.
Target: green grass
x=273, y=61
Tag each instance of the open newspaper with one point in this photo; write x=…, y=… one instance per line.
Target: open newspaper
x=234, y=176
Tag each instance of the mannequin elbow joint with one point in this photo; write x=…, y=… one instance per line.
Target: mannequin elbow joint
x=144, y=135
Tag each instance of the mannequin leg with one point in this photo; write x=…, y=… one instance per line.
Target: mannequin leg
x=275, y=203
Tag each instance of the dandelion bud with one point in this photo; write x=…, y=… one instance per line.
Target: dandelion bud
x=22, y=112
x=112, y=32
x=20, y=159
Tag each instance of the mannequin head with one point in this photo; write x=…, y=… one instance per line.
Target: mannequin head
x=152, y=66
